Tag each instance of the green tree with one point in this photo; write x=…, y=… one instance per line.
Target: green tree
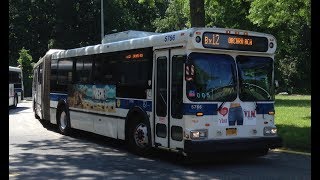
x=290, y=22
x=219, y=13
x=134, y=14
x=180, y=14
x=30, y=26
x=43, y=24
x=25, y=62
x=229, y=14
x=176, y=17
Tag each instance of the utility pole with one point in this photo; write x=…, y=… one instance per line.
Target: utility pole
x=102, y=22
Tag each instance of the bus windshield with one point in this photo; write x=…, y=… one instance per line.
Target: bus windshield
x=255, y=75
x=214, y=79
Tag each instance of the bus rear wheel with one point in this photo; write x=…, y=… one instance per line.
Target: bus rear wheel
x=15, y=101
x=35, y=111
x=63, y=121
x=139, y=136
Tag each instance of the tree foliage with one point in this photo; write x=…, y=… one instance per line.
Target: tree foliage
x=176, y=17
x=290, y=22
x=25, y=62
x=44, y=24
x=228, y=14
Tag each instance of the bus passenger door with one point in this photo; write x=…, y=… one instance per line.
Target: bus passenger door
x=38, y=107
x=177, y=60
x=161, y=92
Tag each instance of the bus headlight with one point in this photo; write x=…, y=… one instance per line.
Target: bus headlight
x=269, y=131
x=199, y=134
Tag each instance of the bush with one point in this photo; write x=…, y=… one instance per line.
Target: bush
x=25, y=62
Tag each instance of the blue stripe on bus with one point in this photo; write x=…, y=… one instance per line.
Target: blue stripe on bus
x=57, y=96
x=206, y=109
x=17, y=89
x=264, y=108
x=188, y=109
x=129, y=103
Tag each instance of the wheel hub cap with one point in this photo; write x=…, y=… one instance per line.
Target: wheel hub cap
x=63, y=121
x=141, y=135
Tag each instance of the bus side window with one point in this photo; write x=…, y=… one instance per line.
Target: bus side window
x=40, y=74
x=97, y=71
x=53, y=75
x=79, y=67
x=86, y=71
x=35, y=77
x=103, y=69
x=65, y=71
x=83, y=70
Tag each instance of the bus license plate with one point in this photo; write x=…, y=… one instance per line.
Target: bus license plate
x=231, y=131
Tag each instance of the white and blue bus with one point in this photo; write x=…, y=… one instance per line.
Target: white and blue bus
x=15, y=86
x=193, y=91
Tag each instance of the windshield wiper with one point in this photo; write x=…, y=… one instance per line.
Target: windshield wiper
x=219, y=108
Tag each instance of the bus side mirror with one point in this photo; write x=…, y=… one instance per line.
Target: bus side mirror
x=276, y=83
x=189, y=72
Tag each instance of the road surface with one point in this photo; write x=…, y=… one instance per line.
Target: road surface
x=36, y=152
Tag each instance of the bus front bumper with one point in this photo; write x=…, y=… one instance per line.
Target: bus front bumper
x=238, y=144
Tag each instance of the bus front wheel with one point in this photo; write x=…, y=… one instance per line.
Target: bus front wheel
x=63, y=121
x=261, y=152
x=139, y=136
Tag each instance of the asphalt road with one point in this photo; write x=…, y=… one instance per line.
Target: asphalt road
x=38, y=152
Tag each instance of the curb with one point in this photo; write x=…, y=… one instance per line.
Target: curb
x=292, y=152
x=27, y=99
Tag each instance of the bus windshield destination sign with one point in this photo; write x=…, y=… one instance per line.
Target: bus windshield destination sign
x=234, y=42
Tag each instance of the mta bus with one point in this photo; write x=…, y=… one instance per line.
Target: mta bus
x=15, y=86
x=192, y=91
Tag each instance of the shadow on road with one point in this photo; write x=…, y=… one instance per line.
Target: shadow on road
x=158, y=154
x=87, y=155
x=84, y=154
x=14, y=110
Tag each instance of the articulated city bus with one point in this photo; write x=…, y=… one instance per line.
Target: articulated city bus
x=15, y=86
x=193, y=91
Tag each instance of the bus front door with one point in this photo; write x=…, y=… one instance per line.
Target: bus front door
x=161, y=122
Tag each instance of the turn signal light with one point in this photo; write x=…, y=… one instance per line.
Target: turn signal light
x=271, y=112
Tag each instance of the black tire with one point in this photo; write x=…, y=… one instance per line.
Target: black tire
x=139, y=135
x=15, y=101
x=260, y=152
x=63, y=121
x=34, y=110
x=36, y=115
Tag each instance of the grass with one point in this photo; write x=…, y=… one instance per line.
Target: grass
x=293, y=119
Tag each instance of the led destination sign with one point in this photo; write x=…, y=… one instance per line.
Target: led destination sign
x=234, y=42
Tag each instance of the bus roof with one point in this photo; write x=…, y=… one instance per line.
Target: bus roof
x=16, y=69
x=51, y=51
x=139, y=39
x=125, y=35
